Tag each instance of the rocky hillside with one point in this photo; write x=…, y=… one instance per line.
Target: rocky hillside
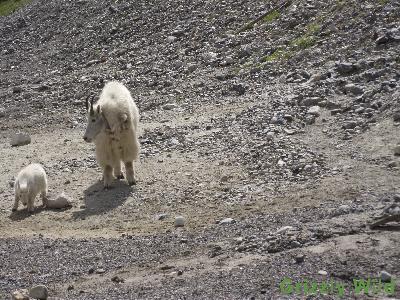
x=271, y=127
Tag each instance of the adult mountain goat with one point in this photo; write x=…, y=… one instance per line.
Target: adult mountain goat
x=113, y=127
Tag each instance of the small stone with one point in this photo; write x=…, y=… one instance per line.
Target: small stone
x=17, y=89
x=397, y=150
x=353, y=89
x=310, y=101
x=170, y=106
x=117, y=279
x=171, y=39
x=295, y=244
x=270, y=136
x=281, y=163
x=39, y=292
x=179, y=221
x=2, y=112
x=61, y=201
x=299, y=258
x=385, y=276
x=20, y=295
x=349, y=125
x=70, y=287
x=227, y=221
x=20, y=139
x=161, y=217
x=322, y=272
x=314, y=110
x=284, y=229
x=396, y=116
x=100, y=271
x=346, y=68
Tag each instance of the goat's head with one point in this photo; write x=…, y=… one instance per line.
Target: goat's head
x=96, y=121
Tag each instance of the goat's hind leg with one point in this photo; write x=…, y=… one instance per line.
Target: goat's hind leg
x=118, y=172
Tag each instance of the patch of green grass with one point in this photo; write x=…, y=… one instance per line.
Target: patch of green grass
x=313, y=28
x=304, y=42
x=383, y=2
x=273, y=15
x=7, y=7
x=277, y=55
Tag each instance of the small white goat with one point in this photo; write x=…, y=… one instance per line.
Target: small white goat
x=30, y=181
x=113, y=127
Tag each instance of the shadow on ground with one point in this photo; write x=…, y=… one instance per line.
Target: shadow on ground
x=97, y=200
x=22, y=214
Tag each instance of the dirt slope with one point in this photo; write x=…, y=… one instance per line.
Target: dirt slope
x=292, y=122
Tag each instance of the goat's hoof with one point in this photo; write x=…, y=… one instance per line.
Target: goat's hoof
x=132, y=182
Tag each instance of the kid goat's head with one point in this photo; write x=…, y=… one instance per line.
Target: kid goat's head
x=96, y=121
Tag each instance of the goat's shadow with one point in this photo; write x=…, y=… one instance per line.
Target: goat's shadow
x=98, y=200
x=23, y=213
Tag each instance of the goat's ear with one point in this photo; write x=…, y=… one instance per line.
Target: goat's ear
x=98, y=109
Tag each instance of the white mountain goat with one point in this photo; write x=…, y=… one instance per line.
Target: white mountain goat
x=113, y=127
x=30, y=181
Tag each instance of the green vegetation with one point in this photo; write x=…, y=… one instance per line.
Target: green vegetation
x=277, y=55
x=9, y=6
x=383, y=2
x=304, y=42
x=273, y=15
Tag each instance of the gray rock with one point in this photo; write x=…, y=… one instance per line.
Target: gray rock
x=39, y=292
x=322, y=272
x=349, y=125
x=397, y=150
x=20, y=139
x=20, y=295
x=270, y=136
x=353, y=89
x=310, y=101
x=314, y=110
x=161, y=217
x=227, y=221
x=396, y=116
x=346, y=68
x=61, y=201
x=171, y=39
x=179, y=221
x=284, y=229
x=170, y=106
x=385, y=276
x=17, y=89
x=2, y=112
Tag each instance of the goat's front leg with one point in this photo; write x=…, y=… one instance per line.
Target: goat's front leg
x=16, y=202
x=108, y=176
x=31, y=201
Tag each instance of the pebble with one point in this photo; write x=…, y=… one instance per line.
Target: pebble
x=270, y=136
x=170, y=106
x=397, y=150
x=354, y=89
x=61, y=201
x=385, y=276
x=284, y=229
x=299, y=258
x=179, y=221
x=314, y=110
x=171, y=39
x=39, y=292
x=322, y=272
x=20, y=295
x=17, y=89
x=227, y=221
x=161, y=217
x=20, y=139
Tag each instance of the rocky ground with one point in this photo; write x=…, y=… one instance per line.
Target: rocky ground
x=275, y=142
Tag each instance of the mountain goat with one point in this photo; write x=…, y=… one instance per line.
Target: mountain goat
x=30, y=181
x=113, y=127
